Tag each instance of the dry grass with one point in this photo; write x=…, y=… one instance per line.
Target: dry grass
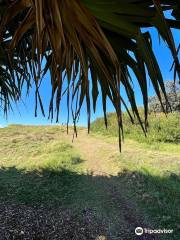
x=40, y=166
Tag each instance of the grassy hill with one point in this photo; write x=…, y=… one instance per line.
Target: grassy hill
x=53, y=188
x=162, y=129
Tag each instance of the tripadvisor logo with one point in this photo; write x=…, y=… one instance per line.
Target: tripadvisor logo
x=139, y=231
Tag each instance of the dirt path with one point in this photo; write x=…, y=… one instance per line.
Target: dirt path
x=98, y=155
x=107, y=213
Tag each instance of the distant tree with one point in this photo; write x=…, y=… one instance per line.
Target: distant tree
x=173, y=95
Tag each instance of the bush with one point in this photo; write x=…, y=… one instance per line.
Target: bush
x=173, y=95
x=161, y=128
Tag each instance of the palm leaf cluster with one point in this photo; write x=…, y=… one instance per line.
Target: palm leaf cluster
x=88, y=46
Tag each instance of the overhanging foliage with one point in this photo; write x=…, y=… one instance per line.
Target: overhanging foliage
x=81, y=38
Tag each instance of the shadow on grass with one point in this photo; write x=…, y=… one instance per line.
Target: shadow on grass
x=113, y=199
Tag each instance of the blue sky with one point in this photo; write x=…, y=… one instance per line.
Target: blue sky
x=23, y=113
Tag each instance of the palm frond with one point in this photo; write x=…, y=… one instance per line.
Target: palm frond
x=84, y=43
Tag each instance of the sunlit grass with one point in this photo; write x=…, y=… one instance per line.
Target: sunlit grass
x=41, y=166
x=163, y=131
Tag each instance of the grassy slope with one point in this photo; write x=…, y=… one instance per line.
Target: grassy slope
x=155, y=180
x=36, y=152
x=163, y=132
x=41, y=166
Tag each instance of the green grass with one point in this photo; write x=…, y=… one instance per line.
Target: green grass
x=41, y=166
x=163, y=132
x=37, y=164
x=150, y=177
x=33, y=149
x=154, y=183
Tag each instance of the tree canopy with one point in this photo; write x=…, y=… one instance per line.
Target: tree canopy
x=84, y=43
x=173, y=95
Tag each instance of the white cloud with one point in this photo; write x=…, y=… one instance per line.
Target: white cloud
x=1, y=126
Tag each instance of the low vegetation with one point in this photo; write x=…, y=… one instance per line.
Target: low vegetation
x=163, y=131
x=173, y=95
x=86, y=188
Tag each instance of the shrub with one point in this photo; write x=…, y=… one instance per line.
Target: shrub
x=161, y=128
x=173, y=95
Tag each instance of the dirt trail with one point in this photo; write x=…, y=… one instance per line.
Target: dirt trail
x=97, y=154
x=99, y=161
x=103, y=162
x=100, y=153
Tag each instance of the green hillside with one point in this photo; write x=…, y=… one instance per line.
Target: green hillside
x=51, y=186
x=162, y=129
